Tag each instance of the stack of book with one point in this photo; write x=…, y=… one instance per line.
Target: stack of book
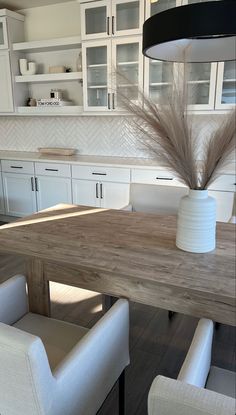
x=52, y=102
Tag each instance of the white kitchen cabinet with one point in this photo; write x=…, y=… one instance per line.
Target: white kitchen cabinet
x=3, y=33
x=6, y=92
x=110, y=67
x=2, y=208
x=108, y=18
x=86, y=192
x=100, y=194
x=52, y=190
x=19, y=194
x=226, y=85
x=224, y=205
x=26, y=191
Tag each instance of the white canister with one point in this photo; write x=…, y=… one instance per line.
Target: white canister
x=196, y=224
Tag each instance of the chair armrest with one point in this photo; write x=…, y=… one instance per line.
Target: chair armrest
x=96, y=362
x=168, y=396
x=196, y=366
x=13, y=299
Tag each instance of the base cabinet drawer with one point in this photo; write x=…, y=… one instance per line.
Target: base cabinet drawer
x=104, y=174
x=2, y=208
x=225, y=183
x=53, y=169
x=18, y=166
x=158, y=177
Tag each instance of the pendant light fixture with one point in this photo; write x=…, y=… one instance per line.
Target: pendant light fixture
x=198, y=32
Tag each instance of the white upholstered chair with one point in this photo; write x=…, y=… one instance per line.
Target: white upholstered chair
x=200, y=389
x=49, y=367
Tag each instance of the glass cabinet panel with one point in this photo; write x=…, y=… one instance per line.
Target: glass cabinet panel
x=127, y=64
x=127, y=15
x=160, y=81
x=95, y=20
x=229, y=83
x=199, y=78
x=97, y=76
x=161, y=6
x=3, y=34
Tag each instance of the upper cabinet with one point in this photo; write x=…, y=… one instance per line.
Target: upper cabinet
x=110, y=67
x=3, y=33
x=107, y=18
x=226, y=85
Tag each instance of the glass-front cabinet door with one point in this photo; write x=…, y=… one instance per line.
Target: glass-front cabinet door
x=201, y=78
x=226, y=85
x=106, y=18
x=128, y=76
x=95, y=19
x=127, y=17
x=159, y=80
x=3, y=33
x=96, y=70
x=158, y=6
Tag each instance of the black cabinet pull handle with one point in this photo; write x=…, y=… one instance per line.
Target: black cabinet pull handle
x=164, y=178
x=99, y=174
x=32, y=184
x=96, y=190
x=113, y=101
x=109, y=101
x=36, y=184
x=16, y=167
x=108, y=26
x=113, y=25
x=101, y=193
x=51, y=169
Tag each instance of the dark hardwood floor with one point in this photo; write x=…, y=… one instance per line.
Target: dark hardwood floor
x=157, y=345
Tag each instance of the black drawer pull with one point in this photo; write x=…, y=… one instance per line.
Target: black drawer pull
x=99, y=174
x=16, y=167
x=164, y=178
x=51, y=169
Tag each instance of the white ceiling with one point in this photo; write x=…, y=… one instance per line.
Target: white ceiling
x=25, y=4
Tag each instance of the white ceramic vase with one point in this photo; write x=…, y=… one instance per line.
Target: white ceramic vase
x=196, y=224
x=27, y=68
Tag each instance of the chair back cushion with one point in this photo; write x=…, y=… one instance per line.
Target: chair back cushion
x=26, y=381
x=13, y=299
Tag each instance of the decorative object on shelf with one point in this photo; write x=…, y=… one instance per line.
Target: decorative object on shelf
x=31, y=102
x=27, y=68
x=168, y=134
x=57, y=69
x=56, y=93
x=57, y=151
x=199, y=32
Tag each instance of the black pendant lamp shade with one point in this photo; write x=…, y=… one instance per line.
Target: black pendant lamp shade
x=199, y=32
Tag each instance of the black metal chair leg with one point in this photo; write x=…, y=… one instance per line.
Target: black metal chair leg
x=121, y=382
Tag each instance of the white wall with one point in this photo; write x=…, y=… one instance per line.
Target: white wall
x=57, y=20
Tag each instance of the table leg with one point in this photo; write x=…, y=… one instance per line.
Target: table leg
x=107, y=302
x=38, y=288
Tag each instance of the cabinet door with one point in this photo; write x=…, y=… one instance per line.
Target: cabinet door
x=19, y=193
x=154, y=7
x=6, y=97
x=2, y=209
x=95, y=19
x=86, y=192
x=52, y=190
x=158, y=79
x=127, y=17
x=128, y=61
x=224, y=205
x=3, y=33
x=114, y=195
x=201, y=79
x=226, y=85
x=96, y=81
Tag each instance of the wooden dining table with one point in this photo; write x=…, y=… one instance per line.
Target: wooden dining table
x=123, y=254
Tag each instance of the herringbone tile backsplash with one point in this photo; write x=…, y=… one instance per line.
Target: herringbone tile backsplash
x=101, y=135
x=108, y=136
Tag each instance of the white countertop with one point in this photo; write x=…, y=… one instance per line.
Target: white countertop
x=93, y=160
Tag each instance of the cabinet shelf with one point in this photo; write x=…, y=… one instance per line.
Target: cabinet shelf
x=127, y=63
x=97, y=86
x=49, y=45
x=64, y=110
x=160, y=83
x=50, y=77
x=97, y=65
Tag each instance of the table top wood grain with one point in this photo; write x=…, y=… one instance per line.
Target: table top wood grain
x=129, y=254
